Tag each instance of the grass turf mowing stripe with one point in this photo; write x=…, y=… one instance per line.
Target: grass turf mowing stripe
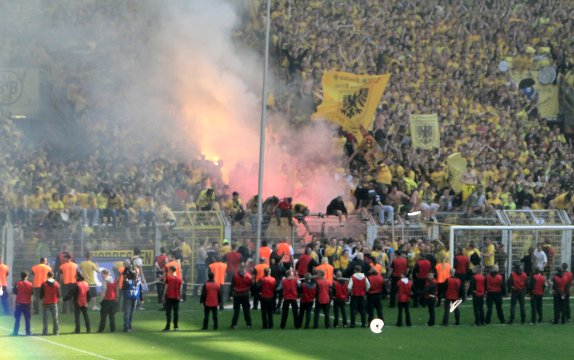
x=65, y=346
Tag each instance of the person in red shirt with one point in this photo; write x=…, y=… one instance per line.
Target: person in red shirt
x=50, y=293
x=308, y=294
x=257, y=274
x=210, y=298
x=429, y=295
x=305, y=263
x=284, y=208
x=403, y=297
x=478, y=290
x=399, y=266
x=241, y=286
x=323, y=301
x=536, y=289
x=517, y=283
x=109, y=305
x=560, y=288
x=568, y=275
x=340, y=299
x=494, y=288
x=160, y=262
x=359, y=285
x=420, y=274
x=81, y=295
x=23, y=292
x=375, y=295
x=290, y=285
x=267, y=299
x=452, y=294
x=172, y=297
x=461, y=267
x=233, y=259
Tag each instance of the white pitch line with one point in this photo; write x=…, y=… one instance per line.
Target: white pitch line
x=65, y=346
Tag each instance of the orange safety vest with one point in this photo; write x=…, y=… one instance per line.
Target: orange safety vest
x=379, y=268
x=328, y=271
x=283, y=251
x=4, y=271
x=260, y=271
x=69, y=271
x=40, y=274
x=218, y=269
x=442, y=272
x=265, y=253
x=177, y=268
x=121, y=270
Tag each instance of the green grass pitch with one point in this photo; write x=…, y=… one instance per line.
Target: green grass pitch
x=543, y=341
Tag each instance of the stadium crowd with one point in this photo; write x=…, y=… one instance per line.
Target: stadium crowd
x=429, y=47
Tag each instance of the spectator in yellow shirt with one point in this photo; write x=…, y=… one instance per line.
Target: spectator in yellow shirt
x=488, y=255
x=56, y=214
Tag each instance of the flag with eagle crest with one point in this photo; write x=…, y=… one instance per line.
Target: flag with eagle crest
x=351, y=100
x=424, y=131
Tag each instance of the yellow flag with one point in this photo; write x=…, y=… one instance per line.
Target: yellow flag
x=456, y=167
x=424, y=131
x=351, y=100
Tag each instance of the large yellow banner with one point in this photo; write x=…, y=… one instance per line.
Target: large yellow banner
x=350, y=100
x=425, y=132
x=456, y=167
x=547, y=94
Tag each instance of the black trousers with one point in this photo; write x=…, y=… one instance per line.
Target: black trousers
x=394, y=290
x=278, y=299
x=84, y=311
x=559, y=309
x=358, y=304
x=514, y=298
x=108, y=309
x=496, y=298
x=567, y=306
x=171, y=305
x=305, y=311
x=418, y=289
x=285, y=313
x=37, y=301
x=478, y=308
x=461, y=292
x=267, y=308
x=159, y=288
x=404, y=306
x=241, y=301
x=441, y=290
x=68, y=304
x=431, y=304
x=447, y=312
x=536, y=308
x=325, y=309
x=340, y=306
x=375, y=303
x=206, y=311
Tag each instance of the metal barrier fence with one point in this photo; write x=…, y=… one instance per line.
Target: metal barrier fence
x=515, y=240
x=22, y=247
x=318, y=226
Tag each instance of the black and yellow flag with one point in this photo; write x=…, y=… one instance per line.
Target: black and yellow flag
x=424, y=131
x=350, y=100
